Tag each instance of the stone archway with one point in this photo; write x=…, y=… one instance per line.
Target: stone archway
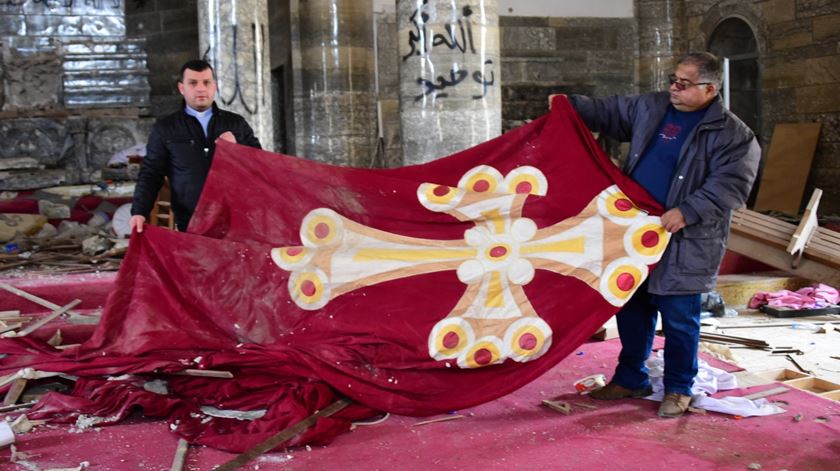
x=733, y=38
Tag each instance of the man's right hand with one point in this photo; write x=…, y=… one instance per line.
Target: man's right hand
x=136, y=222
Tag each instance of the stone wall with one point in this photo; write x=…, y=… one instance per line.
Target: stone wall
x=799, y=68
x=171, y=32
x=541, y=56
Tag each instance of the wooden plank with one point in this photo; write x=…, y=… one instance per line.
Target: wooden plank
x=46, y=319
x=33, y=298
x=205, y=373
x=769, y=392
x=283, y=436
x=180, y=456
x=787, y=167
x=777, y=258
x=807, y=227
x=15, y=391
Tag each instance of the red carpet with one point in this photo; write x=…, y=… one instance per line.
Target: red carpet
x=513, y=432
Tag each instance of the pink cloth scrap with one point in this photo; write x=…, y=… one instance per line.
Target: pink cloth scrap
x=812, y=297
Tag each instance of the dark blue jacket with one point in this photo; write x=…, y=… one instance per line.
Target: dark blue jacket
x=715, y=172
x=178, y=149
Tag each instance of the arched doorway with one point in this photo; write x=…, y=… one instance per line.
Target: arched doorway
x=734, y=39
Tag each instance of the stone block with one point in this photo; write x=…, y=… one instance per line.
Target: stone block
x=822, y=70
x=31, y=82
x=790, y=34
x=817, y=99
x=41, y=139
x=827, y=27
x=528, y=39
x=809, y=8
x=778, y=11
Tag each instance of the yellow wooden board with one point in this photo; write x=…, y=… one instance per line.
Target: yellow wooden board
x=787, y=167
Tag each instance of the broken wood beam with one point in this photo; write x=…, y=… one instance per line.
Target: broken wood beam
x=205, y=373
x=31, y=297
x=283, y=436
x=13, y=394
x=180, y=456
x=766, y=393
x=441, y=419
x=46, y=319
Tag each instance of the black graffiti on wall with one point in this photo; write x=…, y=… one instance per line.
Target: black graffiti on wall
x=457, y=36
x=237, y=80
x=455, y=77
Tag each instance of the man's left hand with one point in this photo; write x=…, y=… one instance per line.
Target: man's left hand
x=228, y=136
x=673, y=220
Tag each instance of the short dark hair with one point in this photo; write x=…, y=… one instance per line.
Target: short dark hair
x=197, y=65
x=708, y=66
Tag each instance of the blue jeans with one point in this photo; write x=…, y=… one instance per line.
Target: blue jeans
x=636, y=326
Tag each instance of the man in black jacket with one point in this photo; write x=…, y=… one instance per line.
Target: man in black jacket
x=181, y=146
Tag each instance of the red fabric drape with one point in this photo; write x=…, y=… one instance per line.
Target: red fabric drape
x=416, y=290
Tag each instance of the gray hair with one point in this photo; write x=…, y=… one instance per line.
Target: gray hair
x=708, y=67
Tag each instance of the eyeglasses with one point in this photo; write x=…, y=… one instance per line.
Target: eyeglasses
x=683, y=84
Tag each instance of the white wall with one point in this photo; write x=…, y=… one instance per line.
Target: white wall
x=557, y=8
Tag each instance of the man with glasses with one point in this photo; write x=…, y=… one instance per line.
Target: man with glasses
x=699, y=161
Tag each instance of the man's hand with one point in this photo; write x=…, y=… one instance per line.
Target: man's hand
x=673, y=220
x=136, y=222
x=228, y=136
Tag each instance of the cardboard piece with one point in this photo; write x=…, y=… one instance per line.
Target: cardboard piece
x=787, y=167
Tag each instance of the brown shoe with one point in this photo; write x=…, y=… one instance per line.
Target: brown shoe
x=674, y=405
x=613, y=391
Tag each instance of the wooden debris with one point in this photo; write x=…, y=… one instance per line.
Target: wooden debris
x=24, y=405
x=13, y=394
x=767, y=393
x=797, y=418
x=441, y=419
x=65, y=347
x=55, y=339
x=30, y=297
x=585, y=406
x=205, y=373
x=13, y=313
x=180, y=456
x=731, y=339
x=23, y=425
x=798, y=365
x=46, y=319
x=558, y=406
x=283, y=436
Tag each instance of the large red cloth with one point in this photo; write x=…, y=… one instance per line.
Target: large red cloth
x=416, y=290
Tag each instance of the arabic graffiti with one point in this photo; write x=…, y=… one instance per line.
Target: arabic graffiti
x=418, y=40
x=455, y=77
x=456, y=36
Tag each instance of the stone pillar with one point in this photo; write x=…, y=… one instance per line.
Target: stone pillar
x=233, y=37
x=450, y=91
x=333, y=62
x=661, y=41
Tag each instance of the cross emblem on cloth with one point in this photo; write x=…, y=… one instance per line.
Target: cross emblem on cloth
x=608, y=246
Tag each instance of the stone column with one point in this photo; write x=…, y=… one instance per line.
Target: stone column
x=450, y=92
x=661, y=41
x=333, y=62
x=233, y=37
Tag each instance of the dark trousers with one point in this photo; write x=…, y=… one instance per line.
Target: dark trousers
x=636, y=326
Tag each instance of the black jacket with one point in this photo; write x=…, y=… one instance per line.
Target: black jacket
x=178, y=149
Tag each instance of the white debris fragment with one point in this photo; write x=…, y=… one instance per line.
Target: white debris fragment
x=158, y=386
x=234, y=414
